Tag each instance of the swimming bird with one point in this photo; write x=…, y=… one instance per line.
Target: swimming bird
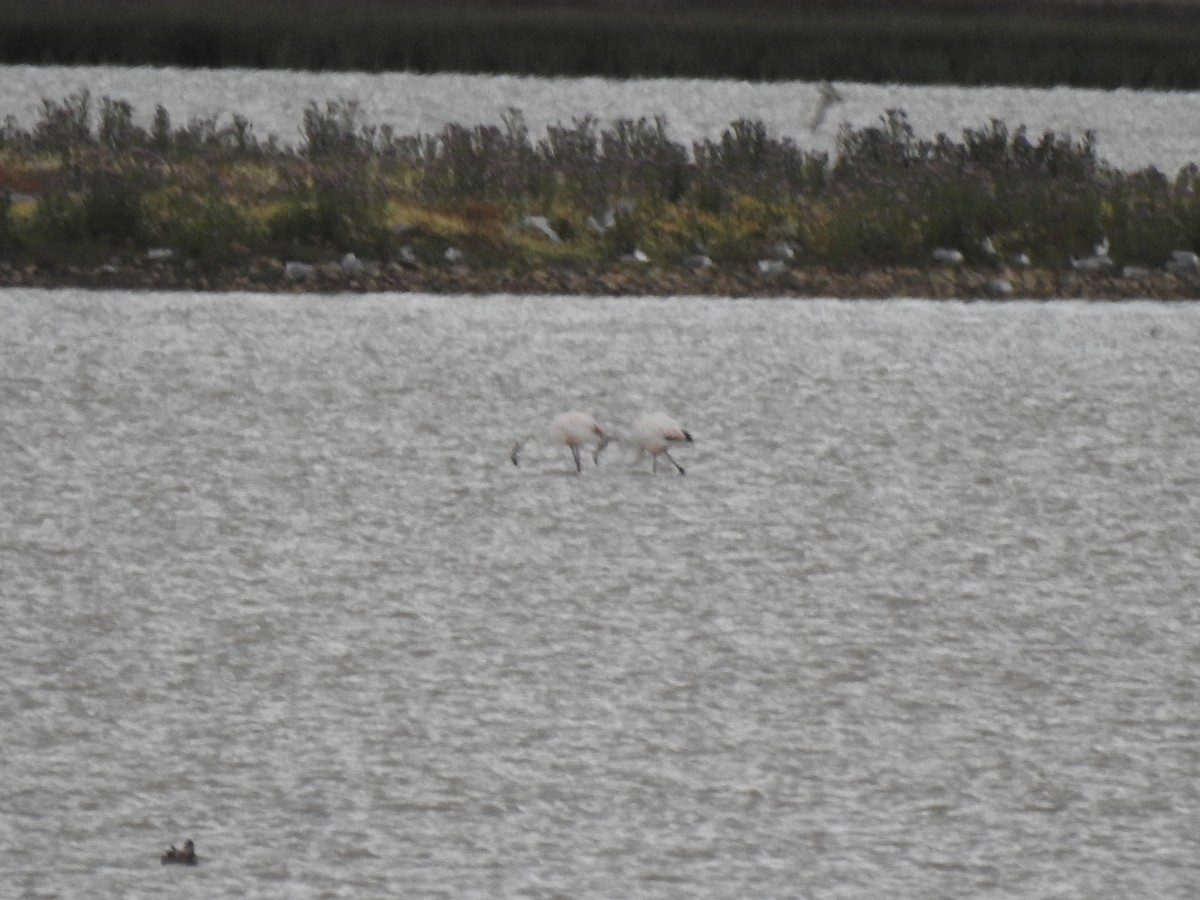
x=653, y=433
x=184, y=857
x=573, y=430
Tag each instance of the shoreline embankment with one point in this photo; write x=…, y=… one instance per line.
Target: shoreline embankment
x=273, y=276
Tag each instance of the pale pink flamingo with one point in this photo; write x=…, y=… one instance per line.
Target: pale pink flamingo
x=572, y=430
x=653, y=433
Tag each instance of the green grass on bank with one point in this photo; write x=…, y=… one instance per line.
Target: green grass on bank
x=1018, y=42
x=86, y=183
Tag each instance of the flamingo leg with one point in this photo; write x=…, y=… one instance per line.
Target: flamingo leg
x=675, y=464
x=578, y=464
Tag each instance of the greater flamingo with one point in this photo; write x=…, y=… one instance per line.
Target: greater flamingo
x=653, y=433
x=572, y=430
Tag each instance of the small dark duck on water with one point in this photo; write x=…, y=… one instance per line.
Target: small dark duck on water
x=185, y=857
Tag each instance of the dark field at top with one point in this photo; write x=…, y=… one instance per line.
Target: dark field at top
x=968, y=42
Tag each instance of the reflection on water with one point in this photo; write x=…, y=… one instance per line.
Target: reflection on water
x=918, y=622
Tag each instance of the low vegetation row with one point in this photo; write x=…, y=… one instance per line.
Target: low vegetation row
x=969, y=42
x=86, y=184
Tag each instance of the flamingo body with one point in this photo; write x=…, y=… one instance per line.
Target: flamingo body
x=573, y=430
x=577, y=429
x=654, y=433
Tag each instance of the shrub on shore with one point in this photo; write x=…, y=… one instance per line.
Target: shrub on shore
x=85, y=180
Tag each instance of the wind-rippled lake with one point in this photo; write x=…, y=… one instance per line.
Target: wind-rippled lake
x=919, y=622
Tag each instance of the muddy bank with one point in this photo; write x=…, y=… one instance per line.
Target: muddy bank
x=274, y=276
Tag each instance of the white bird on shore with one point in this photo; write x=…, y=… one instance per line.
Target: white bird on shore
x=1183, y=262
x=573, y=430
x=1099, y=261
x=653, y=433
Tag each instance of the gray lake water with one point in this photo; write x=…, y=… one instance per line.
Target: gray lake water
x=921, y=621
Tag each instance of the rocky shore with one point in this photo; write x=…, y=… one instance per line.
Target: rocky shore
x=264, y=275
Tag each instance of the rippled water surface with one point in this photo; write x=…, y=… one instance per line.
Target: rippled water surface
x=920, y=621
